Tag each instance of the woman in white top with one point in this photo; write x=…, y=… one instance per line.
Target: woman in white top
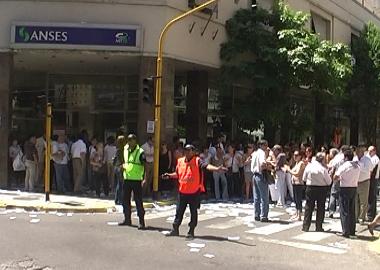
x=218, y=160
x=14, y=151
x=109, y=155
x=248, y=174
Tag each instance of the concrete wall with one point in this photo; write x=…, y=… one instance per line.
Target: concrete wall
x=346, y=15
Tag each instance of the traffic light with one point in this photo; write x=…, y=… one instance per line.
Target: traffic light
x=254, y=4
x=148, y=90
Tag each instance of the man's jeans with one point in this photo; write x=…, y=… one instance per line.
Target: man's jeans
x=261, y=196
x=61, y=176
x=334, y=197
x=30, y=175
x=220, y=176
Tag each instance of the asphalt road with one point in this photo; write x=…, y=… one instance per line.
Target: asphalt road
x=92, y=241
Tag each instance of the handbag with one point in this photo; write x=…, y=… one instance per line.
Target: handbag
x=269, y=177
x=18, y=163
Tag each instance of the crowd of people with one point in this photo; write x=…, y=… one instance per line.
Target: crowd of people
x=253, y=172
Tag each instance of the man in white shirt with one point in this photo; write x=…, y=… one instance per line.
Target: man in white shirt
x=60, y=155
x=372, y=198
x=366, y=167
x=261, y=193
x=318, y=183
x=348, y=176
x=78, y=154
x=148, y=148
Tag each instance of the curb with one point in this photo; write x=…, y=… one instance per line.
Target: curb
x=45, y=207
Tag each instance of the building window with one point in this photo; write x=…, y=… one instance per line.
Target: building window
x=321, y=26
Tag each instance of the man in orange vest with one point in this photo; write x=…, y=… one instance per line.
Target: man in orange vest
x=190, y=177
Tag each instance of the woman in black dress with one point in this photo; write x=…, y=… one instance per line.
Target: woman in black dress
x=165, y=167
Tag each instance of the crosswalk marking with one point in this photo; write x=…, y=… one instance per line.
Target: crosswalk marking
x=319, y=236
x=274, y=228
x=300, y=245
x=227, y=225
x=159, y=215
x=312, y=236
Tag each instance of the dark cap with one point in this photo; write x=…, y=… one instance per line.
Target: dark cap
x=131, y=137
x=189, y=147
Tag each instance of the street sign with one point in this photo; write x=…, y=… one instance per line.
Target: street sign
x=150, y=127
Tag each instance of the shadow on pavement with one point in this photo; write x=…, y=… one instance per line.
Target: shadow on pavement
x=201, y=237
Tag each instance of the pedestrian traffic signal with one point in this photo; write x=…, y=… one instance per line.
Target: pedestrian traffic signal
x=148, y=90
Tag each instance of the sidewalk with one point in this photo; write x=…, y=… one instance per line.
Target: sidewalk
x=36, y=202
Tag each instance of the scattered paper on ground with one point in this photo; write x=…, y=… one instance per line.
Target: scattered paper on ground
x=196, y=245
x=60, y=214
x=33, y=216
x=233, y=238
x=12, y=218
x=69, y=214
x=35, y=220
x=210, y=256
x=165, y=232
x=112, y=223
x=194, y=250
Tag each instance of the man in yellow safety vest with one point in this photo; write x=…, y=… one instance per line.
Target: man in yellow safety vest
x=134, y=179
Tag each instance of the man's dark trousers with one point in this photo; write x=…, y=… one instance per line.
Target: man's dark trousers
x=193, y=201
x=347, y=210
x=315, y=194
x=136, y=187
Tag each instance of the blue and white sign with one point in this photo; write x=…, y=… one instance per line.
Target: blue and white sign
x=75, y=36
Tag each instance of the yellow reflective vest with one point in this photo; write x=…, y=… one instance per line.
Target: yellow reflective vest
x=133, y=168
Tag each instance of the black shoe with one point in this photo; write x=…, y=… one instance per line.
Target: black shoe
x=257, y=218
x=320, y=230
x=190, y=234
x=305, y=229
x=125, y=223
x=264, y=219
x=141, y=224
x=331, y=215
x=173, y=232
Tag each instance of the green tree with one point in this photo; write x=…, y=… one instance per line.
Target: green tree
x=364, y=91
x=272, y=52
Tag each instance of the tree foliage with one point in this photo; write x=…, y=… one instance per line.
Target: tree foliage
x=272, y=52
x=364, y=91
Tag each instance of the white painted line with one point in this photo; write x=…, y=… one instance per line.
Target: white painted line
x=273, y=214
x=159, y=215
x=307, y=246
x=227, y=224
x=274, y=228
x=318, y=236
x=312, y=236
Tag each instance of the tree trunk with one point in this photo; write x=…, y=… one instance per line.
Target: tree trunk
x=270, y=133
x=319, y=124
x=354, y=125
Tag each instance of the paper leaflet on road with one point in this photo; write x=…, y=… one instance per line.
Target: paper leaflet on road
x=196, y=245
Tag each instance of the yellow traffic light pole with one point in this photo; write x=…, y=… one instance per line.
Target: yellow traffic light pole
x=157, y=110
x=48, y=150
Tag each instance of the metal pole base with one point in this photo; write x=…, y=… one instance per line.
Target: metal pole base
x=47, y=197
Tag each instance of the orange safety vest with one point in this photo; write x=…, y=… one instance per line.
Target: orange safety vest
x=190, y=176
